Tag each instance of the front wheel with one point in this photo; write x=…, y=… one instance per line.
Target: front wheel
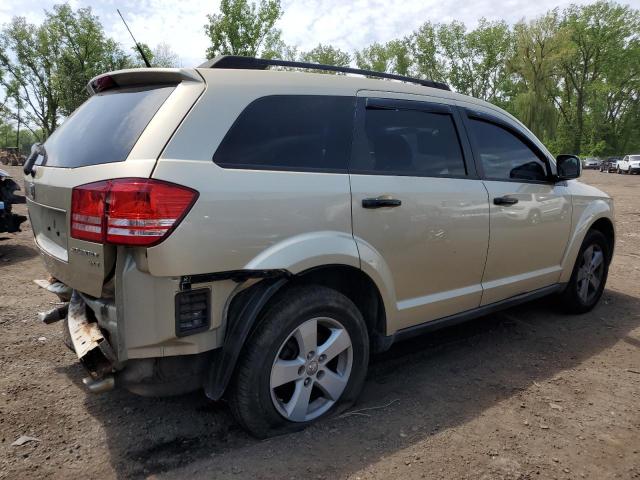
x=306, y=360
x=589, y=274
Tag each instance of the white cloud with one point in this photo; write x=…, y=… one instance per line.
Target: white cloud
x=346, y=24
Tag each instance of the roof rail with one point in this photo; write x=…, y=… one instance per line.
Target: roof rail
x=251, y=63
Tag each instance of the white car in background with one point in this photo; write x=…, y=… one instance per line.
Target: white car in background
x=629, y=164
x=591, y=162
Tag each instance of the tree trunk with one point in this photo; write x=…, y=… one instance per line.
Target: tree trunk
x=577, y=139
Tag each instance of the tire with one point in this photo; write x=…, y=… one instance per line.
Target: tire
x=575, y=299
x=618, y=171
x=265, y=408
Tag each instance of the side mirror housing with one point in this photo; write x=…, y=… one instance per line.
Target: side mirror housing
x=568, y=166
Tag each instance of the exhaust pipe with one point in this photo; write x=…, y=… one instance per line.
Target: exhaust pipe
x=99, y=386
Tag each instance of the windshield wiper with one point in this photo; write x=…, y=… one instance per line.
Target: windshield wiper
x=37, y=149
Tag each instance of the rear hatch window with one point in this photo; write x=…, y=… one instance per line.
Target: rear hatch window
x=105, y=128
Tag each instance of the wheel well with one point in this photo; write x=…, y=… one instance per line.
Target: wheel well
x=604, y=226
x=358, y=287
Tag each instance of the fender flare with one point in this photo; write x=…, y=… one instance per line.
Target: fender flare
x=583, y=225
x=276, y=266
x=243, y=314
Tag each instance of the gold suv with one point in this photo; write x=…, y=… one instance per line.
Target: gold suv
x=258, y=233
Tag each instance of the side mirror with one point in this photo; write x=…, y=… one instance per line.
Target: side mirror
x=569, y=167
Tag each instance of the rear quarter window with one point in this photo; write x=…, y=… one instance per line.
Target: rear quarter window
x=105, y=128
x=290, y=132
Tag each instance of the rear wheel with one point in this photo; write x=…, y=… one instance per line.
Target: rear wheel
x=589, y=274
x=306, y=361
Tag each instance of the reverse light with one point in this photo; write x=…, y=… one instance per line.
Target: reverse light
x=128, y=211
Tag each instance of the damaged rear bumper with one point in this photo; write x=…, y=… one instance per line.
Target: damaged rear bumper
x=159, y=376
x=94, y=329
x=90, y=345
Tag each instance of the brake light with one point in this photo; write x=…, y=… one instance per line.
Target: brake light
x=128, y=211
x=103, y=83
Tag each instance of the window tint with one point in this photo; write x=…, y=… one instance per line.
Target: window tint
x=504, y=156
x=104, y=128
x=411, y=142
x=290, y=132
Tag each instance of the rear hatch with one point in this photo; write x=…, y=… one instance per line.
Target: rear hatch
x=119, y=132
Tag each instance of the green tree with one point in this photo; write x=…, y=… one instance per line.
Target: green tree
x=374, y=57
x=392, y=57
x=138, y=61
x=597, y=35
x=28, y=57
x=539, y=47
x=243, y=28
x=475, y=61
x=48, y=66
x=275, y=47
x=160, y=57
x=84, y=52
x=327, y=55
x=614, y=98
x=426, y=52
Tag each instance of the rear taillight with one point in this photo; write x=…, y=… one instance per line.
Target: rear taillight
x=128, y=211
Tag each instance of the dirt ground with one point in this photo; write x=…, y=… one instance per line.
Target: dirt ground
x=525, y=394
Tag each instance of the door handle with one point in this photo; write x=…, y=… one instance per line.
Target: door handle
x=506, y=200
x=381, y=202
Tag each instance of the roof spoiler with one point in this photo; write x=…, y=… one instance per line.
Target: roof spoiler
x=252, y=63
x=141, y=77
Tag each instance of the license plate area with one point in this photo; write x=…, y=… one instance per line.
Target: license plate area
x=50, y=229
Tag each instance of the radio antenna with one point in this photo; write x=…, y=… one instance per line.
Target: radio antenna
x=144, y=57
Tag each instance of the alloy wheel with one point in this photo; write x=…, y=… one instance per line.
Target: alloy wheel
x=311, y=369
x=590, y=273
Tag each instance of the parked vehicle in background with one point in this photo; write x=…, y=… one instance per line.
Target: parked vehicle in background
x=9, y=222
x=591, y=163
x=610, y=164
x=629, y=164
x=258, y=234
x=11, y=156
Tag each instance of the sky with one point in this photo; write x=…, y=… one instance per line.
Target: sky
x=349, y=25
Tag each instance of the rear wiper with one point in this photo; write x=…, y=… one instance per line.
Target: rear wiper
x=37, y=149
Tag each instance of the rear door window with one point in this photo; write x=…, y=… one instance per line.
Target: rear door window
x=290, y=132
x=410, y=142
x=105, y=128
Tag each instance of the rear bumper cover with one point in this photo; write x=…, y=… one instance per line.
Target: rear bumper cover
x=149, y=376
